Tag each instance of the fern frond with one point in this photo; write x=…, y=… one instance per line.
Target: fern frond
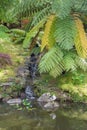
x=40, y=15
x=48, y=39
x=62, y=8
x=69, y=62
x=65, y=33
x=80, y=39
x=81, y=62
x=27, y=8
x=50, y=59
x=57, y=70
x=32, y=33
x=80, y=6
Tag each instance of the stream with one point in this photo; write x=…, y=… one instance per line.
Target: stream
x=66, y=117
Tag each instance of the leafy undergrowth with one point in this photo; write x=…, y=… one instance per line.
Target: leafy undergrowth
x=74, y=85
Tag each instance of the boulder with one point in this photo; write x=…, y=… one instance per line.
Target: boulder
x=51, y=105
x=46, y=97
x=14, y=101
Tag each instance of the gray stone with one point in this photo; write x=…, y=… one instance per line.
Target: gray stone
x=51, y=105
x=46, y=97
x=53, y=116
x=14, y=101
x=29, y=93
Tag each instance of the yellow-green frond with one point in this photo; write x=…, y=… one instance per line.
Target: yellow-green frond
x=48, y=39
x=81, y=39
x=32, y=33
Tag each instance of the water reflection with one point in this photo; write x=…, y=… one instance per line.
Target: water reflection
x=65, y=118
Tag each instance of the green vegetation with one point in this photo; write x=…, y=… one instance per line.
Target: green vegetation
x=59, y=29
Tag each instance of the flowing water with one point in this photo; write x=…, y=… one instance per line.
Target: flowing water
x=70, y=117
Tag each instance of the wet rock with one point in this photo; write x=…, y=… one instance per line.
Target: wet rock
x=51, y=105
x=29, y=93
x=53, y=116
x=46, y=97
x=14, y=101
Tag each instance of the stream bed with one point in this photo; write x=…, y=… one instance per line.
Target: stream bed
x=66, y=117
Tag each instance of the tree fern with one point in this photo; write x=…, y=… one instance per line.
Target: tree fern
x=65, y=33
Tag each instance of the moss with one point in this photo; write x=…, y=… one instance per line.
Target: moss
x=16, y=54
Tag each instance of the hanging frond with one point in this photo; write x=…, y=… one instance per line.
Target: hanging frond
x=32, y=33
x=27, y=8
x=50, y=59
x=57, y=70
x=81, y=62
x=80, y=39
x=65, y=33
x=80, y=6
x=62, y=8
x=69, y=62
x=48, y=39
x=40, y=15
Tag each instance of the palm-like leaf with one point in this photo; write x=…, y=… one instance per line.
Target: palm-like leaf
x=65, y=32
x=50, y=59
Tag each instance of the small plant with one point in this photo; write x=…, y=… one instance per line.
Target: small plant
x=5, y=60
x=78, y=78
x=26, y=104
x=15, y=87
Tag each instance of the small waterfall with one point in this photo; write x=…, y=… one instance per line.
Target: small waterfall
x=31, y=66
x=29, y=93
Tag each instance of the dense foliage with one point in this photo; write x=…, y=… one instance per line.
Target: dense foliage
x=64, y=39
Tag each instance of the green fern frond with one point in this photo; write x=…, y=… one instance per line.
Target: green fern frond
x=6, y=10
x=57, y=70
x=32, y=33
x=62, y=8
x=69, y=62
x=27, y=8
x=50, y=59
x=3, y=28
x=80, y=6
x=65, y=33
x=81, y=62
x=40, y=15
